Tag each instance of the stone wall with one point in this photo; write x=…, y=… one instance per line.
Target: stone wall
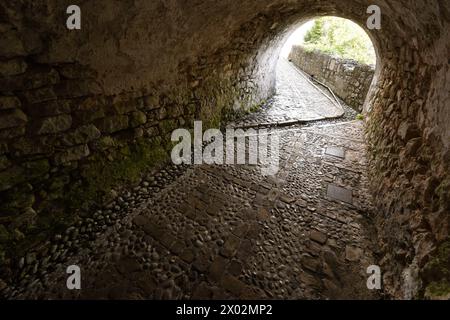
x=348, y=79
x=83, y=110
x=74, y=127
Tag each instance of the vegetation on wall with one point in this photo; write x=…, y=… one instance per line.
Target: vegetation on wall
x=340, y=37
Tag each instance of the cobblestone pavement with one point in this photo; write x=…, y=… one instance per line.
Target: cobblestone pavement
x=221, y=232
x=295, y=100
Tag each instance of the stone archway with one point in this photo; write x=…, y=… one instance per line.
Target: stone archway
x=139, y=70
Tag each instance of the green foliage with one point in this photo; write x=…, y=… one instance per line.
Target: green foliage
x=316, y=32
x=439, y=268
x=438, y=290
x=255, y=108
x=359, y=117
x=4, y=234
x=340, y=37
x=100, y=175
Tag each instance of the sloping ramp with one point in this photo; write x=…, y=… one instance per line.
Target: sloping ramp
x=296, y=99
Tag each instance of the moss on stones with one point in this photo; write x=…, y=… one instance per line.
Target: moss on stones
x=438, y=290
x=12, y=176
x=256, y=107
x=167, y=126
x=36, y=169
x=56, y=210
x=438, y=273
x=100, y=174
x=16, y=200
x=443, y=192
x=138, y=118
x=4, y=235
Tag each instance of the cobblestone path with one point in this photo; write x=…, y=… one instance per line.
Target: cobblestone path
x=295, y=100
x=220, y=232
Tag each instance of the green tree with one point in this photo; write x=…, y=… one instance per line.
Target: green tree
x=314, y=35
x=340, y=37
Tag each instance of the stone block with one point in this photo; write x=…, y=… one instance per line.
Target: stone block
x=176, y=110
x=72, y=154
x=113, y=124
x=202, y=292
x=9, y=102
x=4, y=235
x=318, y=236
x=36, y=168
x=17, y=199
x=12, y=67
x=12, y=133
x=11, y=177
x=310, y=263
x=151, y=102
x=77, y=88
x=161, y=113
x=124, y=107
x=49, y=108
x=137, y=119
x=81, y=135
x=76, y=71
x=187, y=255
x=128, y=265
x=40, y=95
x=217, y=268
x=408, y=130
x=4, y=163
x=12, y=118
x=25, y=146
x=40, y=78
x=337, y=152
x=233, y=285
x=338, y=193
x=202, y=262
x=235, y=268
x=167, y=126
x=412, y=147
x=25, y=220
x=353, y=253
x=89, y=110
x=54, y=124
x=231, y=246
x=11, y=45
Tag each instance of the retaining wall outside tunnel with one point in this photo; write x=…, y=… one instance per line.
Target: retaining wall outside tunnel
x=83, y=110
x=347, y=78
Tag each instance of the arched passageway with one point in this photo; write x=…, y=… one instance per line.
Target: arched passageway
x=75, y=103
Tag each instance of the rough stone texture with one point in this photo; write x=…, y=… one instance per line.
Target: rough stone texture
x=348, y=79
x=295, y=100
x=176, y=61
x=224, y=232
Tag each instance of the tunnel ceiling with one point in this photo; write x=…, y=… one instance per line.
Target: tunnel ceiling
x=153, y=36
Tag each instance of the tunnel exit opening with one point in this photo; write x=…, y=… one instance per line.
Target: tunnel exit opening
x=336, y=55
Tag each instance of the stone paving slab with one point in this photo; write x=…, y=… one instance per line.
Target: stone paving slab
x=338, y=193
x=335, y=152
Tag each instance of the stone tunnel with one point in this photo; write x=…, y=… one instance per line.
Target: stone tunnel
x=82, y=111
